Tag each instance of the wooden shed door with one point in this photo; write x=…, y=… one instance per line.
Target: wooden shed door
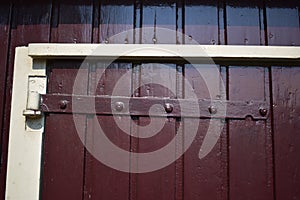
x=240, y=162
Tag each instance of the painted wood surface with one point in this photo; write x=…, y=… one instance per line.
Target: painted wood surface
x=5, y=21
x=249, y=153
x=63, y=156
x=252, y=159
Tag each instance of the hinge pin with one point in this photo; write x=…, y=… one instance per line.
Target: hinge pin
x=33, y=105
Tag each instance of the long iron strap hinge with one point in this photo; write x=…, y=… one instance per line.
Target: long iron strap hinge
x=153, y=106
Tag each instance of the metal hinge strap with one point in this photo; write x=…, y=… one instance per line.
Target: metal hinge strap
x=160, y=107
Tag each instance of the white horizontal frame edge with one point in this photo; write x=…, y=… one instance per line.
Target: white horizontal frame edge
x=24, y=146
x=187, y=51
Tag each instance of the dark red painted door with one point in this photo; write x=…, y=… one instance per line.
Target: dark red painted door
x=239, y=163
x=251, y=160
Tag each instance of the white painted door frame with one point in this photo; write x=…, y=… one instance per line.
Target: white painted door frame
x=25, y=133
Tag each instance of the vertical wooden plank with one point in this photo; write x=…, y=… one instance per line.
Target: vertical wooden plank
x=286, y=98
x=5, y=13
x=115, y=18
x=243, y=22
x=63, y=167
x=201, y=21
x=250, y=149
x=72, y=22
x=160, y=184
x=63, y=157
x=222, y=28
x=205, y=178
x=101, y=181
x=250, y=153
x=158, y=15
x=96, y=22
x=5, y=20
x=283, y=23
x=179, y=129
x=31, y=23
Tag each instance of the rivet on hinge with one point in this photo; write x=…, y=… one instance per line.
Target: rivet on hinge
x=263, y=111
x=63, y=104
x=119, y=106
x=168, y=107
x=212, y=110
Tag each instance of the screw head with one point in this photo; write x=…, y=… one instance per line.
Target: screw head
x=119, y=106
x=63, y=104
x=212, y=110
x=168, y=107
x=263, y=111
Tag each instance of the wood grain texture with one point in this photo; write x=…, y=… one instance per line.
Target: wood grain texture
x=157, y=21
x=207, y=177
x=63, y=157
x=243, y=22
x=204, y=178
x=116, y=18
x=101, y=181
x=201, y=22
x=72, y=22
x=4, y=37
x=250, y=152
x=283, y=23
x=161, y=184
x=241, y=164
x=5, y=22
x=286, y=131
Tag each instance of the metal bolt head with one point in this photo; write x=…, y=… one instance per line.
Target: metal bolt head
x=212, y=110
x=63, y=104
x=119, y=106
x=168, y=107
x=263, y=111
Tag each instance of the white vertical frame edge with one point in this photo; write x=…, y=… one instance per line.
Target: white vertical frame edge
x=25, y=144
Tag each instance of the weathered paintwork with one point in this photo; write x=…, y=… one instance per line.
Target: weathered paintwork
x=252, y=159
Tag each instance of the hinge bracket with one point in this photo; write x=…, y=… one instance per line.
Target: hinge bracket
x=36, y=86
